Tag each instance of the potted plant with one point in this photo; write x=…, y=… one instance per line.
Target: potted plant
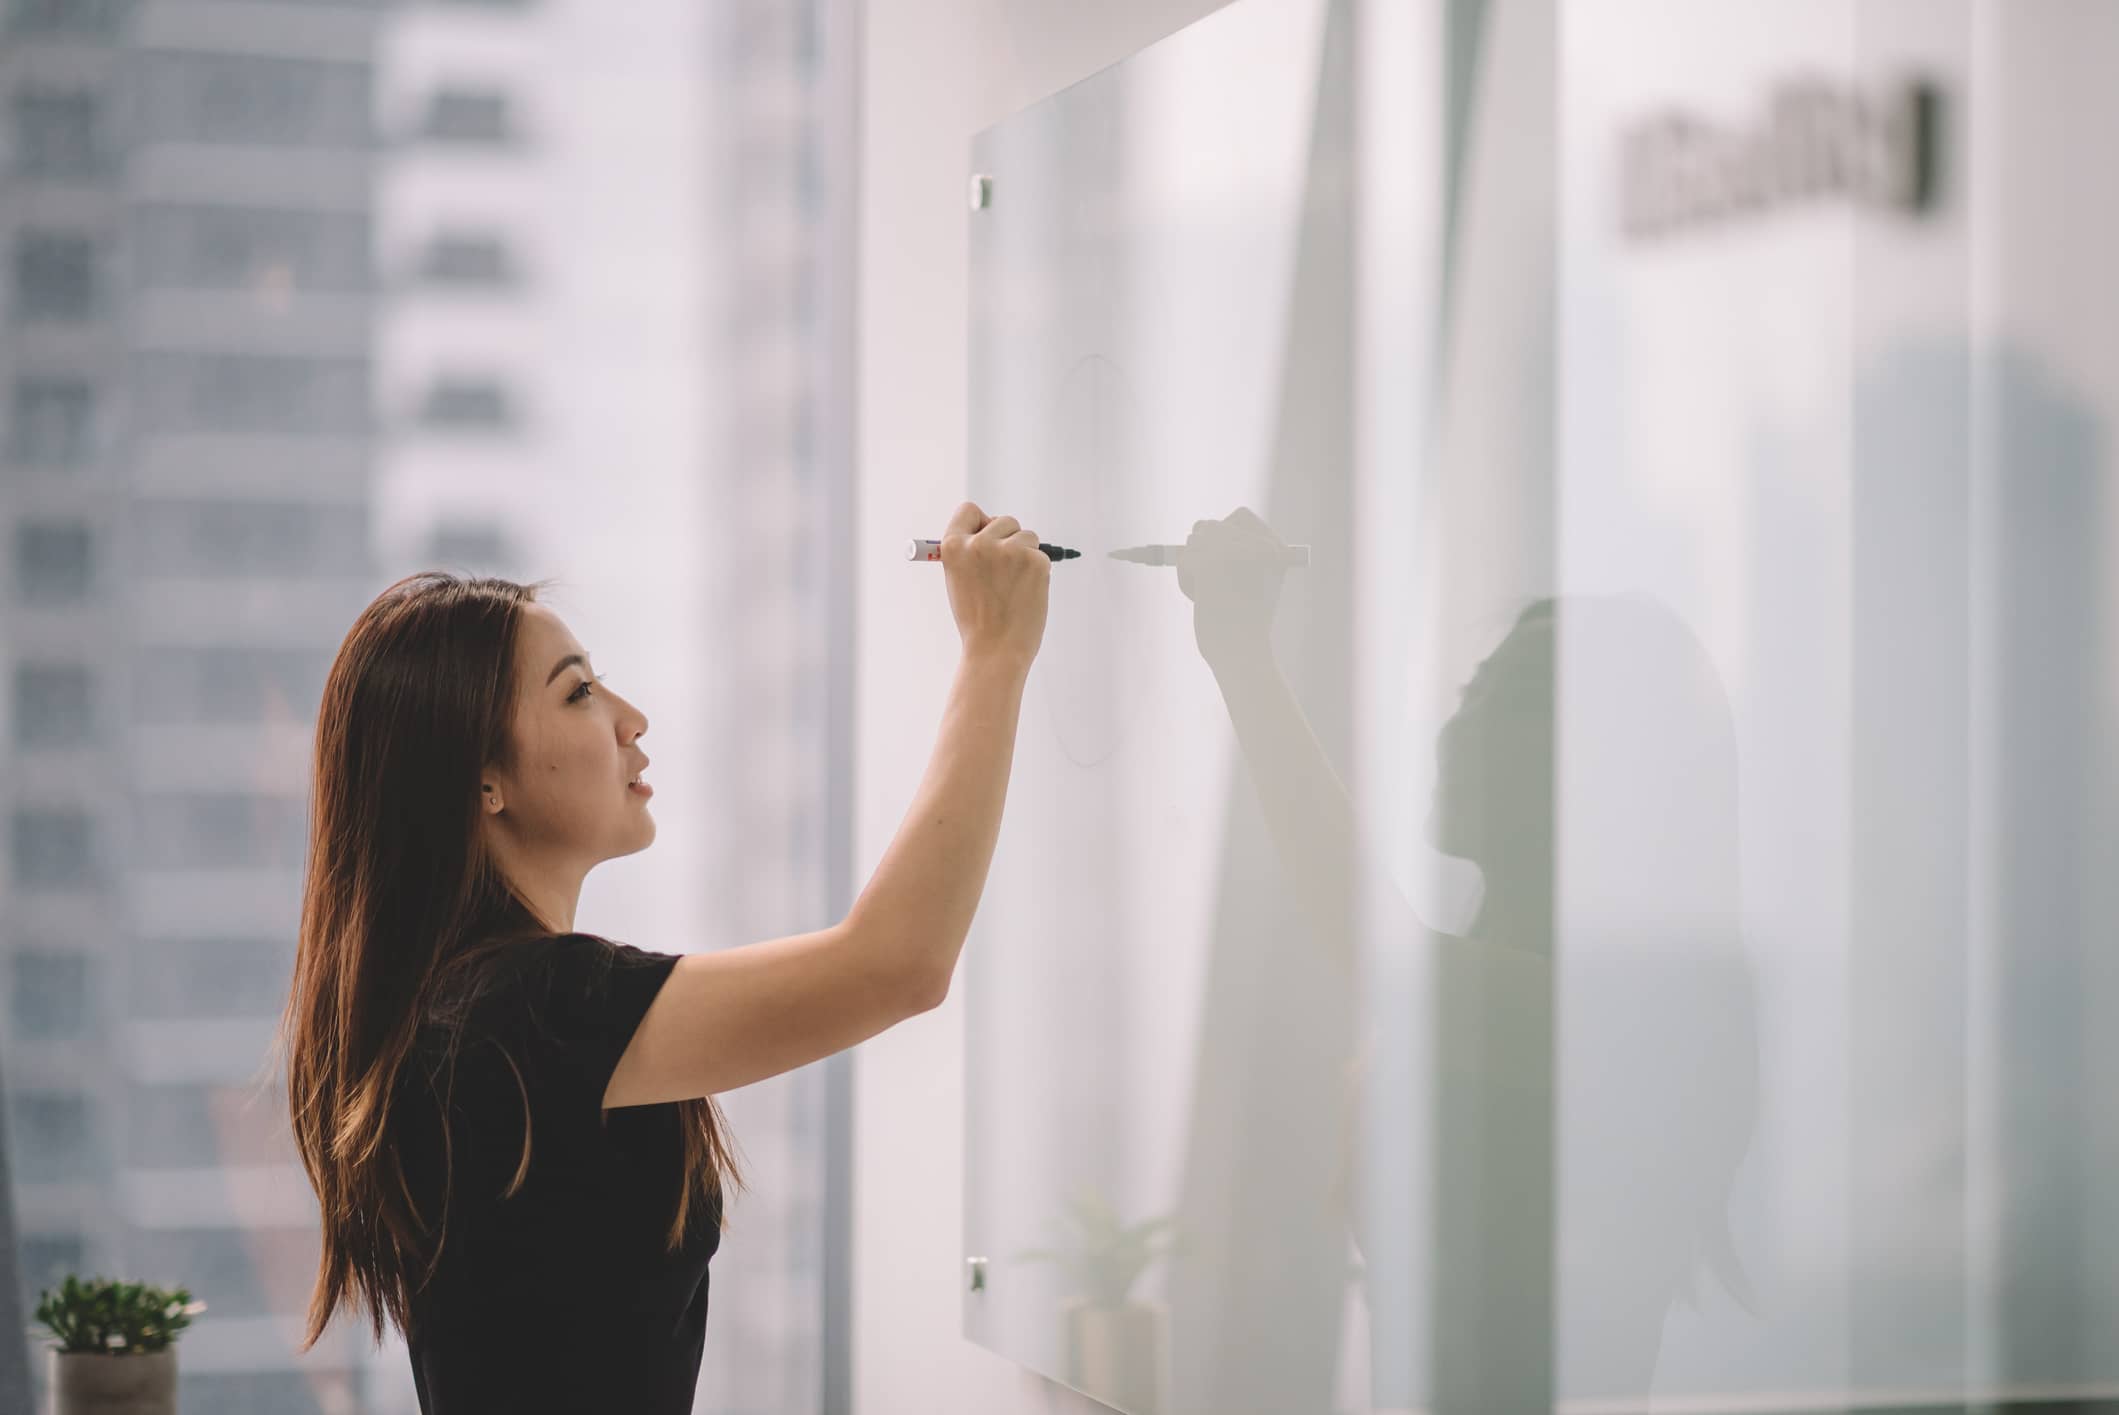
x=113, y=1352
x=1117, y=1348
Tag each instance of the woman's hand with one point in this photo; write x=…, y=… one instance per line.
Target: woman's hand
x=999, y=582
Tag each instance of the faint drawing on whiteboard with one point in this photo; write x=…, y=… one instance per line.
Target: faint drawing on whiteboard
x=1094, y=669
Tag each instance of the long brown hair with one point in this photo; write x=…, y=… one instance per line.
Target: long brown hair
x=401, y=903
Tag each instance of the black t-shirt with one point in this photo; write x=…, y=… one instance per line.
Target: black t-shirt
x=563, y=1298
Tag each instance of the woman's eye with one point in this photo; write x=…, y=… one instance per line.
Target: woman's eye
x=582, y=691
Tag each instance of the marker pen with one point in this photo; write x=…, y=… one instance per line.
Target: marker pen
x=932, y=550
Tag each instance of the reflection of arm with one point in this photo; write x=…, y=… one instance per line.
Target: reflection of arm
x=1307, y=807
x=1311, y=819
x=1231, y=570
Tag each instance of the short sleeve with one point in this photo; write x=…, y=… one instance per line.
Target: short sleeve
x=577, y=1000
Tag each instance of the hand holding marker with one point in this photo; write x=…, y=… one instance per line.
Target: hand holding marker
x=931, y=550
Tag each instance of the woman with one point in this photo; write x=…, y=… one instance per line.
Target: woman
x=510, y=1124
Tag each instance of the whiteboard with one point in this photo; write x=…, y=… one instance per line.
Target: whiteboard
x=1611, y=925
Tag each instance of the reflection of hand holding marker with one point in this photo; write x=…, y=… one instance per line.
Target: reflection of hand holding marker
x=931, y=550
x=1292, y=556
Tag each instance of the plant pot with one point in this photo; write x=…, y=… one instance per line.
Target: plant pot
x=1120, y=1355
x=95, y=1383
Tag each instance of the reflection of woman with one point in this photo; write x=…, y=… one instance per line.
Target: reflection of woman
x=1590, y=773
x=510, y=1125
x=1593, y=1101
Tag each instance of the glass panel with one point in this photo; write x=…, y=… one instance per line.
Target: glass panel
x=222, y=437
x=1618, y=926
x=1160, y=986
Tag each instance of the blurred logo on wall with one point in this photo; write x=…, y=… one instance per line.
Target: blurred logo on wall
x=1819, y=140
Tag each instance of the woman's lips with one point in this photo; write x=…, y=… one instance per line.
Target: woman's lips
x=640, y=788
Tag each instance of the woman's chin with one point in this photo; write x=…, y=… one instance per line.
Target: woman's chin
x=640, y=832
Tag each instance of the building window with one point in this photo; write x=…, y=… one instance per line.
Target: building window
x=202, y=1126
x=211, y=977
x=53, y=847
x=54, y=706
x=55, y=134
x=55, y=276
x=50, y=996
x=173, y=685
x=223, y=1262
x=172, y=1127
x=202, y=830
x=478, y=546
x=241, y=248
x=90, y=17
x=468, y=404
x=54, y=562
x=50, y=1140
x=52, y=423
x=48, y=1257
x=218, y=539
x=250, y=393
x=198, y=1127
x=255, y=100
x=469, y=115
x=463, y=259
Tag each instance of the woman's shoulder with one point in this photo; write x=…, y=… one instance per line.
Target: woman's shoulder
x=497, y=989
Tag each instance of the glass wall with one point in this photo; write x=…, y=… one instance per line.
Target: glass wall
x=1551, y=859
x=296, y=302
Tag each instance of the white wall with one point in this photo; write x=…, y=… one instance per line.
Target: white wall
x=935, y=72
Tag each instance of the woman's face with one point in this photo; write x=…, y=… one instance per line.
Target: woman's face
x=576, y=749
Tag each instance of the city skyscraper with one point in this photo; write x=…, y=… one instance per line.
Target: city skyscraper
x=300, y=300
x=187, y=364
